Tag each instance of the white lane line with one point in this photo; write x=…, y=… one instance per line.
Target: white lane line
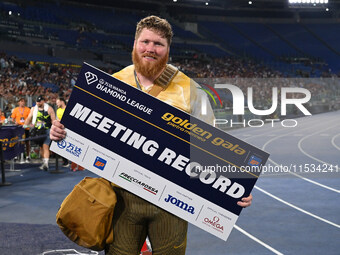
x=297, y=175
x=297, y=208
x=308, y=180
x=316, y=183
x=307, y=154
x=257, y=240
x=333, y=141
x=307, y=121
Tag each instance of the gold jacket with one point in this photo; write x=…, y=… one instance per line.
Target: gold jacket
x=182, y=93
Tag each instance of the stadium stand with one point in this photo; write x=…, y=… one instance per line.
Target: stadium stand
x=206, y=44
x=44, y=43
x=264, y=45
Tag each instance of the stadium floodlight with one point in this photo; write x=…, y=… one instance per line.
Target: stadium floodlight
x=307, y=3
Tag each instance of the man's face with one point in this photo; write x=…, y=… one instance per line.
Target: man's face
x=58, y=103
x=21, y=103
x=40, y=103
x=150, y=53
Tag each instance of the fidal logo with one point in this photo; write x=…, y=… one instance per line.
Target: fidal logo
x=214, y=223
x=90, y=78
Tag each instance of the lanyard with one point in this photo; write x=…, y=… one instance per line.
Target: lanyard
x=22, y=112
x=136, y=79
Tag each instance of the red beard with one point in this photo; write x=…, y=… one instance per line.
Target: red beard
x=149, y=69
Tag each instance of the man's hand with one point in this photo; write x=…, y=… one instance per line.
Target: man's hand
x=246, y=201
x=57, y=131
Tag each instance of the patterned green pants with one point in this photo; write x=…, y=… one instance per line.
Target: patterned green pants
x=134, y=219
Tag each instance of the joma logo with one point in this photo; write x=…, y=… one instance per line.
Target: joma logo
x=180, y=204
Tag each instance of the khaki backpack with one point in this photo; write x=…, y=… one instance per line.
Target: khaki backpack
x=85, y=215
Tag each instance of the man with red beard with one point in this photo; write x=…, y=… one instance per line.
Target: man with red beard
x=135, y=218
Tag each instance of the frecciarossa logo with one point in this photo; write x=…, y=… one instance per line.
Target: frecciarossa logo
x=180, y=204
x=139, y=183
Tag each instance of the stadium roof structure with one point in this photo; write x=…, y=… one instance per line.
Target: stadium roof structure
x=227, y=8
x=224, y=4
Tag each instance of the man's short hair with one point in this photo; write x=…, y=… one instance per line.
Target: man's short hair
x=21, y=99
x=156, y=24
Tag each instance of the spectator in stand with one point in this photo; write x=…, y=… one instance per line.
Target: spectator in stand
x=41, y=116
x=61, y=104
x=19, y=116
x=52, y=101
x=2, y=117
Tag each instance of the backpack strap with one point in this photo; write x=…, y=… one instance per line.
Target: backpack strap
x=163, y=81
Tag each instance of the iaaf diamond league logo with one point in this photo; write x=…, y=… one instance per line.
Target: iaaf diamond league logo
x=90, y=78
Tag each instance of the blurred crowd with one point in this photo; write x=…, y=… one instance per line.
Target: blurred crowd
x=27, y=79
x=228, y=67
x=24, y=79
